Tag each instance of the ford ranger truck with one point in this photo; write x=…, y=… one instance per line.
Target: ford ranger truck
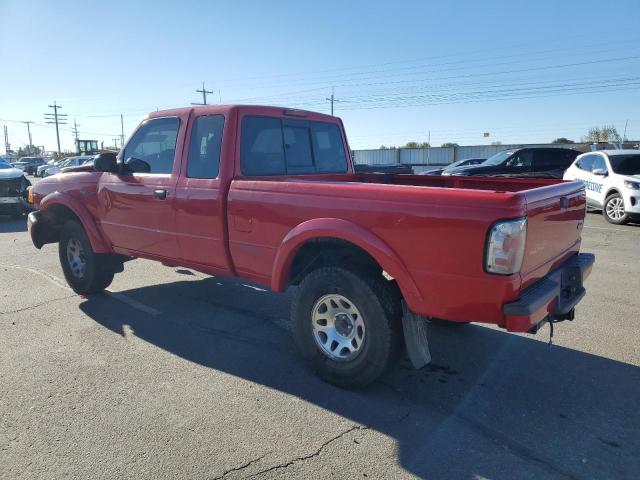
x=269, y=195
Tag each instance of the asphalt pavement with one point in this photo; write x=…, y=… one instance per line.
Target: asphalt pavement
x=175, y=374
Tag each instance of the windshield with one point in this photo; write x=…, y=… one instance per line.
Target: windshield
x=498, y=159
x=625, y=164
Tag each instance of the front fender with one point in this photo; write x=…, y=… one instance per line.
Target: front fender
x=349, y=232
x=98, y=242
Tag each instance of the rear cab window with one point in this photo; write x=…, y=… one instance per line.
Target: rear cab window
x=279, y=146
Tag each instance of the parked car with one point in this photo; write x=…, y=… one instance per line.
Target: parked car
x=533, y=162
x=270, y=195
x=29, y=164
x=67, y=163
x=460, y=163
x=612, y=182
x=41, y=169
x=13, y=190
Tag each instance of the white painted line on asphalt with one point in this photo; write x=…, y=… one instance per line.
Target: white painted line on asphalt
x=47, y=276
x=133, y=303
x=61, y=283
x=612, y=229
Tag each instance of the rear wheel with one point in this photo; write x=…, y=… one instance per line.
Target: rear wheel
x=346, y=325
x=614, y=211
x=84, y=270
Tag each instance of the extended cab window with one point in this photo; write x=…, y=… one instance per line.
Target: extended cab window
x=274, y=146
x=155, y=143
x=204, y=148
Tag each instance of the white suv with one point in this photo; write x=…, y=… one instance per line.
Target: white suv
x=612, y=182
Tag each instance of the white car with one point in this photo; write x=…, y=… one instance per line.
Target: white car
x=67, y=162
x=41, y=169
x=612, y=182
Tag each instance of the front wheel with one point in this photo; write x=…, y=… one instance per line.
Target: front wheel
x=84, y=270
x=614, y=211
x=346, y=325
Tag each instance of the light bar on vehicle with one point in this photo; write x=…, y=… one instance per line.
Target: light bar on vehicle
x=505, y=247
x=292, y=112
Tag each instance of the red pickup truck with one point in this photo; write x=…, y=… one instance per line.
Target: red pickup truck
x=270, y=195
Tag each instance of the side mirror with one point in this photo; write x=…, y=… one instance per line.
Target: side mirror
x=105, y=162
x=135, y=165
x=601, y=172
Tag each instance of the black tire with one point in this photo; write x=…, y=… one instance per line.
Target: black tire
x=97, y=273
x=380, y=310
x=609, y=212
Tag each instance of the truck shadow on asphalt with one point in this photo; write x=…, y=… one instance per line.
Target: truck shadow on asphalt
x=491, y=404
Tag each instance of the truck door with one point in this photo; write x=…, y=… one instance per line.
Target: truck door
x=200, y=195
x=136, y=208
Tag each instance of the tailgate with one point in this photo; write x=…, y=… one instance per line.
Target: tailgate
x=555, y=220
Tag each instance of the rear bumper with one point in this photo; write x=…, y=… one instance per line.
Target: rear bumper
x=552, y=298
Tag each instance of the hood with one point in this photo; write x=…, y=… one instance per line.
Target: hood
x=631, y=178
x=10, y=173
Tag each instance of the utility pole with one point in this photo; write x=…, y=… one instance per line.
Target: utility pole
x=7, y=145
x=204, y=95
x=75, y=133
x=332, y=99
x=624, y=135
x=121, y=131
x=28, y=123
x=115, y=142
x=57, y=119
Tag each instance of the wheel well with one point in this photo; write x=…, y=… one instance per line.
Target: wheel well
x=53, y=219
x=611, y=192
x=324, y=252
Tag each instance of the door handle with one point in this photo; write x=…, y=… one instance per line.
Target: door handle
x=160, y=193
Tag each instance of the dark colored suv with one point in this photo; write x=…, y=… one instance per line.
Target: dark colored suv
x=524, y=162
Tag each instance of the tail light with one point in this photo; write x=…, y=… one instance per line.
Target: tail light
x=505, y=247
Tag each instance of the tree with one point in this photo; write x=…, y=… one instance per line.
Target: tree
x=449, y=145
x=417, y=145
x=497, y=142
x=384, y=147
x=562, y=140
x=608, y=133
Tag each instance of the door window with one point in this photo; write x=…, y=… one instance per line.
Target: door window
x=204, y=149
x=521, y=159
x=586, y=163
x=155, y=143
x=598, y=163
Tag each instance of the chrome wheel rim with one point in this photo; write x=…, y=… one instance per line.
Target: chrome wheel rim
x=338, y=327
x=615, y=208
x=75, y=258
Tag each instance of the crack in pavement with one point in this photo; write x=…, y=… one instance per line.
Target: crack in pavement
x=311, y=455
x=241, y=467
x=37, y=305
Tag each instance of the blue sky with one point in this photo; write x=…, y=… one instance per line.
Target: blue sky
x=524, y=71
